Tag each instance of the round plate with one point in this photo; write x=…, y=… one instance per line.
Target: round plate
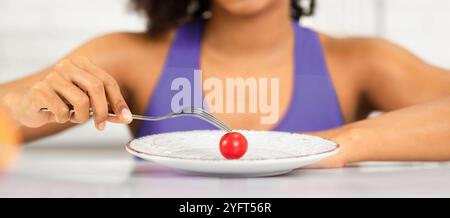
x=197, y=152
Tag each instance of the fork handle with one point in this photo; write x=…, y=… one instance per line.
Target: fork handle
x=158, y=118
x=135, y=117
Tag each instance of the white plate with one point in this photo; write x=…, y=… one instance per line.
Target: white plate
x=197, y=152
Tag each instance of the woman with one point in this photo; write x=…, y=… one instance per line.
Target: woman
x=327, y=85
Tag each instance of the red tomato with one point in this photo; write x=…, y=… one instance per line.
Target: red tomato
x=233, y=145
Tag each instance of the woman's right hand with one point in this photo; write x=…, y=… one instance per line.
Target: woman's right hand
x=76, y=82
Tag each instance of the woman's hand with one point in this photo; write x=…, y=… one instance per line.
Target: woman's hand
x=352, y=146
x=77, y=82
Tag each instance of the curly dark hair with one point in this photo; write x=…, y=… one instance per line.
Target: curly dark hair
x=164, y=15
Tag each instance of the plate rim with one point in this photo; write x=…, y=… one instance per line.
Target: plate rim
x=132, y=150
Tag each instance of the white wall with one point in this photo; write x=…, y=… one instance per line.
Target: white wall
x=345, y=17
x=421, y=26
x=34, y=34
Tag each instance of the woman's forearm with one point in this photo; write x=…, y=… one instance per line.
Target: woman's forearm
x=417, y=133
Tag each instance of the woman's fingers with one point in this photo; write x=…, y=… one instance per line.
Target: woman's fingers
x=73, y=95
x=59, y=111
x=113, y=93
x=78, y=83
x=94, y=88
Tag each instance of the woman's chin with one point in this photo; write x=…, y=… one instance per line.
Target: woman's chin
x=245, y=7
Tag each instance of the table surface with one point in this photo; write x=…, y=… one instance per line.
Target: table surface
x=109, y=171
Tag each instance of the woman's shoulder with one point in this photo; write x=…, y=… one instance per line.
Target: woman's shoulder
x=353, y=61
x=366, y=56
x=124, y=53
x=121, y=47
x=356, y=49
x=350, y=46
x=359, y=55
x=132, y=40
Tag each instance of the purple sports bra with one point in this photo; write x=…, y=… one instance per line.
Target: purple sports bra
x=314, y=105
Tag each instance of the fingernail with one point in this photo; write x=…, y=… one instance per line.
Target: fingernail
x=127, y=114
x=102, y=126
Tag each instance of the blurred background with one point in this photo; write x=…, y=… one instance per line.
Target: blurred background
x=35, y=34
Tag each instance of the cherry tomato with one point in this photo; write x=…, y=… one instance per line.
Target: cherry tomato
x=233, y=145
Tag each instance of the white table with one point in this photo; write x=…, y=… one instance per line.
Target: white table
x=108, y=171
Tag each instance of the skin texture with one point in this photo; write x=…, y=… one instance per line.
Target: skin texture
x=122, y=69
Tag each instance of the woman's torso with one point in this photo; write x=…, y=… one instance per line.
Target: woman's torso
x=147, y=70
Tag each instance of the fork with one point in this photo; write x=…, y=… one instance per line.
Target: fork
x=188, y=111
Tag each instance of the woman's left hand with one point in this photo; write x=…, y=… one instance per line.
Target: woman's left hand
x=334, y=162
x=351, y=146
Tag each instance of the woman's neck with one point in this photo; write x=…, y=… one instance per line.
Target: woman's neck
x=269, y=30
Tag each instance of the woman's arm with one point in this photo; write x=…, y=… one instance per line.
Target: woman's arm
x=416, y=99
x=87, y=77
x=416, y=133
x=395, y=78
